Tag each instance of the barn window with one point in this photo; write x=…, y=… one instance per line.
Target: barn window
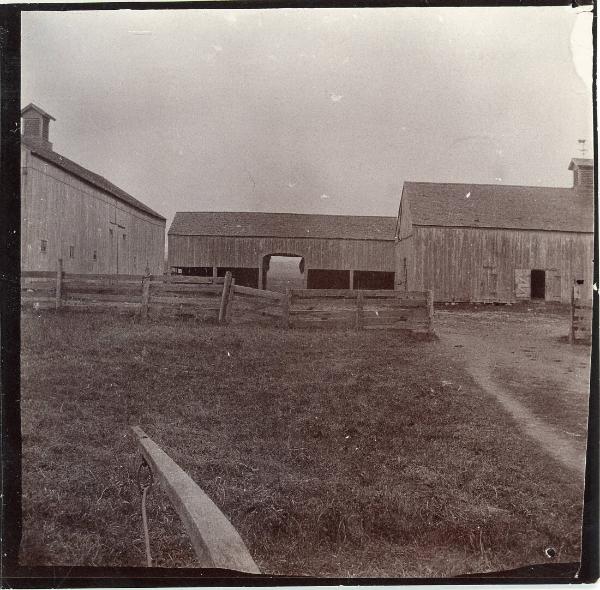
x=124, y=237
x=95, y=255
x=44, y=246
x=110, y=232
x=71, y=251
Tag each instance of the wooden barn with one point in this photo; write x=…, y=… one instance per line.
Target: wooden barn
x=71, y=213
x=495, y=243
x=336, y=251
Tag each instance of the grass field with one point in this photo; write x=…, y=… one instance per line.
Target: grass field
x=332, y=453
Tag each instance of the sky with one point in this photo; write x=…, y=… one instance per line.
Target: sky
x=311, y=110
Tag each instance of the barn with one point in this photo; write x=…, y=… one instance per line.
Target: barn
x=71, y=213
x=496, y=243
x=336, y=251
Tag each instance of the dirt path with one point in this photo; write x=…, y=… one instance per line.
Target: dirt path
x=519, y=359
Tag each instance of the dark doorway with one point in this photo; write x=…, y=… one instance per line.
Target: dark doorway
x=328, y=279
x=371, y=279
x=538, y=284
x=245, y=277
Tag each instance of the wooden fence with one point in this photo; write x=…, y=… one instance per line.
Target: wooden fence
x=581, y=314
x=361, y=309
x=254, y=303
x=216, y=542
x=220, y=298
x=142, y=294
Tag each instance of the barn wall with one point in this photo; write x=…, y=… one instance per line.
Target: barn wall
x=60, y=208
x=457, y=263
x=247, y=251
x=404, y=248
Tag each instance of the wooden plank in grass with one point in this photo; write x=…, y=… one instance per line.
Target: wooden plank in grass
x=215, y=541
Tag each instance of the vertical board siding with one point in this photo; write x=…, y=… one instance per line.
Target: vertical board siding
x=452, y=261
x=60, y=208
x=237, y=252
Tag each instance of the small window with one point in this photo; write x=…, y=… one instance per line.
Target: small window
x=95, y=255
x=44, y=246
x=124, y=237
x=71, y=251
x=110, y=232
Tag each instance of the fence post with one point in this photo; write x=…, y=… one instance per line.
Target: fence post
x=359, y=310
x=225, y=297
x=145, y=294
x=230, y=300
x=430, y=311
x=59, y=283
x=285, y=307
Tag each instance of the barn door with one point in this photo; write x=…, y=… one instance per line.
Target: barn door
x=553, y=285
x=490, y=284
x=522, y=283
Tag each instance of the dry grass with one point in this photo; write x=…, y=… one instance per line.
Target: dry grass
x=333, y=453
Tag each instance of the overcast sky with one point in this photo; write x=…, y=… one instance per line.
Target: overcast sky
x=311, y=110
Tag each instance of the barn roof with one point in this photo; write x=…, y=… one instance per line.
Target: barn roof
x=501, y=206
x=284, y=225
x=88, y=176
x=581, y=163
x=34, y=107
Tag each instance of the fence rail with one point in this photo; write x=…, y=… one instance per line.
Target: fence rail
x=216, y=542
x=361, y=309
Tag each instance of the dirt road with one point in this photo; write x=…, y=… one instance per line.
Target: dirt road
x=520, y=358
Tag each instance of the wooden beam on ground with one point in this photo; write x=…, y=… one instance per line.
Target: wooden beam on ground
x=215, y=541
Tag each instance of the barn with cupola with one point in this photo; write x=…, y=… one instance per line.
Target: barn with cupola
x=71, y=213
x=496, y=243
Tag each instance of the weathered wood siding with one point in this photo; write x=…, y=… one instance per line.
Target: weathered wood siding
x=405, y=260
x=65, y=211
x=195, y=251
x=477, y=264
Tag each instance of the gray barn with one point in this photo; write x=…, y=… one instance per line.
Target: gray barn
x=337, y=251
x=71, y=213
x=496, y=243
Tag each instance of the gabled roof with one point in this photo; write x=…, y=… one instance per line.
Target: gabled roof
x=581, y=163
x=36, y=108
x=87, y=176
x=500, y=206
x=283, y=225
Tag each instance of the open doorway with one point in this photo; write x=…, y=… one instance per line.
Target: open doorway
x=538, y=284
x=282, y=272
